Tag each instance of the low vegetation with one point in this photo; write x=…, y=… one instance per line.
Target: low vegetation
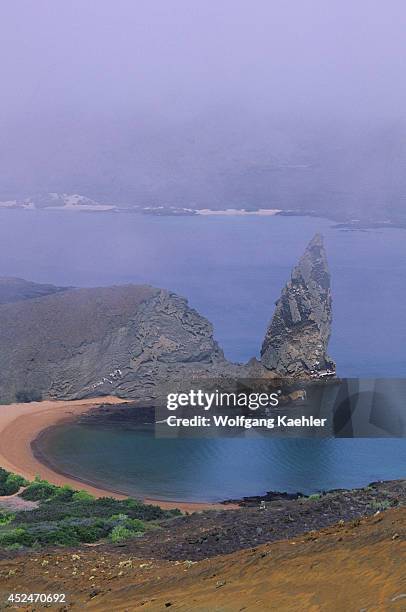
x=381, y=505
x=10, y=483
x=64, y=516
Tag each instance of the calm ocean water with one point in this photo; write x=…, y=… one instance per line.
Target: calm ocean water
x=231, y=270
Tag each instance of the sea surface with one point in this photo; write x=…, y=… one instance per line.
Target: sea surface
x=232, y=270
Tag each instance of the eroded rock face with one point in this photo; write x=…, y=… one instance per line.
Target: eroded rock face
x=125, y=340
x=297, y=337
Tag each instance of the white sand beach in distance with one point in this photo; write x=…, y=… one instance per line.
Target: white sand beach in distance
x=21, y=424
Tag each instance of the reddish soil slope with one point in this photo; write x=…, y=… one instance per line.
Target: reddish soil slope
x=353, y=566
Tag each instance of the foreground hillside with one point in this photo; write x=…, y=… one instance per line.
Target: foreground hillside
x=343, y=550
x=349, y=566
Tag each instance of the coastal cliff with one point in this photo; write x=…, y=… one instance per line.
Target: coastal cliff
x=124, y=340
x=132, y=341
x=296, y=341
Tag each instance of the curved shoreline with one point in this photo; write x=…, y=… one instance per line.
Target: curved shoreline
x=187, y=506
x=22, y=424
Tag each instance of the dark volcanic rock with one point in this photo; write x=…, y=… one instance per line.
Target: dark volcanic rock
x=254, y=501
x=219, y=532
x=297, y=337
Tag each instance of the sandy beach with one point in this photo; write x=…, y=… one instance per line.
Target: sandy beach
x=21, y=424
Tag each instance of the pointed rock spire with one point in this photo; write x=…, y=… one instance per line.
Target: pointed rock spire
x=296, y=341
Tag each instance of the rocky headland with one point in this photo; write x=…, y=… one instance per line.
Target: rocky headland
x=132, y=340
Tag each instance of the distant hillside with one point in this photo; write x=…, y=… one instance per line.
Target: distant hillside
x=17, y=289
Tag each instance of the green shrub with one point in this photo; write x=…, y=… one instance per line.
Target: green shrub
x=69, y=532
x=15, y=482
x=120, y=533
x=20, y=480
x=63, y=535
x=3, y=474
x=53, y=509
x=145, y=512
x=14, y=547
x=10, y=483
x=6, y=517
x=129, y=502
x=123, y=520
x=8, y=488
x=381, y=505
x=39, y=490
x=63, y=494
x=18, y=536
x=92, y=533
x=135, y=525
x=82, y=496
x=119, y=517
x=67, y=517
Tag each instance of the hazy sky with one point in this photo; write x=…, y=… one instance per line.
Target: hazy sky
x=93, y=88
x=179, y=56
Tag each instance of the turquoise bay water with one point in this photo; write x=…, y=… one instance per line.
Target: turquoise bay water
x=219, y=468
x=232, y=271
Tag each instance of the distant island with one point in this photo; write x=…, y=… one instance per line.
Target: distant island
x=79, y=203
x=66, y=202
